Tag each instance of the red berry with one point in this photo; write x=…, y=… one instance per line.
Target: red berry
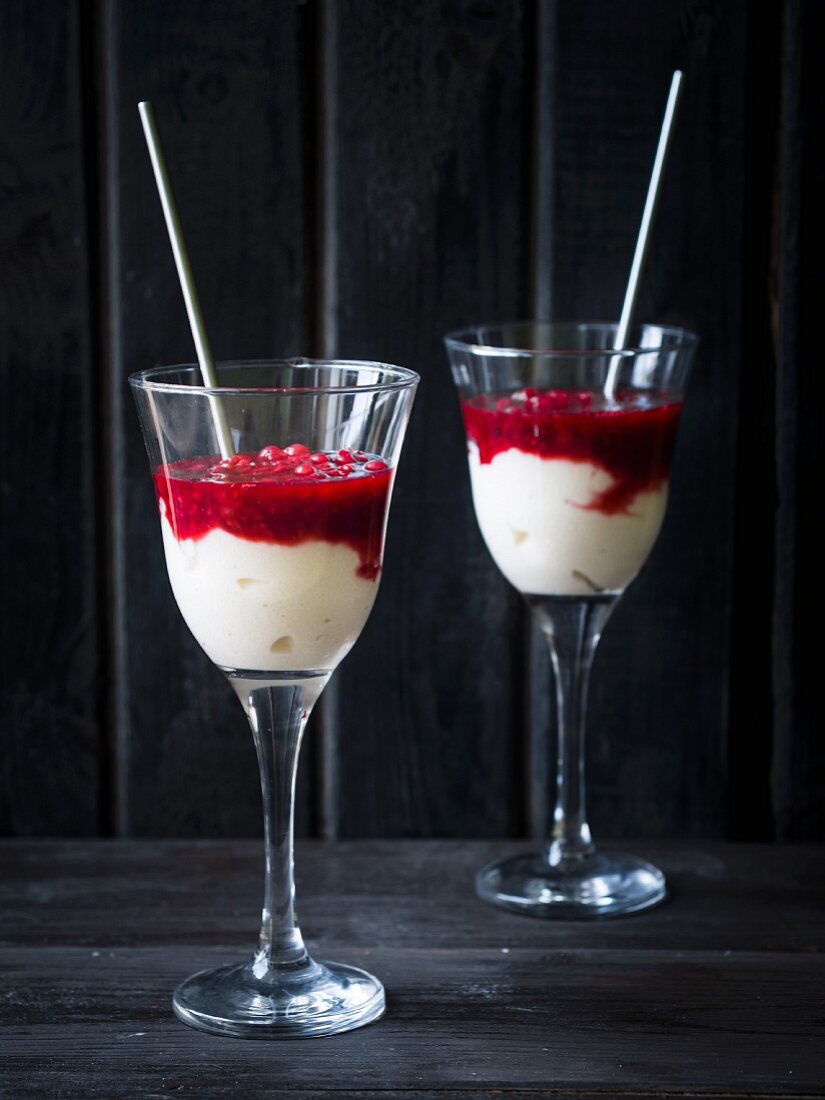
x=297, y=450
x=345, y=456
x=360, y=456
x=320, y=459
x=271, y=453
x=304, y=469
x=375, y=465
x=345, y=469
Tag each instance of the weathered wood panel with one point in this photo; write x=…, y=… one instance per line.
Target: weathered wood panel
x=51, y=744
x=233, y=96
x=359, y=188
x=659, y=718
x=429, y=216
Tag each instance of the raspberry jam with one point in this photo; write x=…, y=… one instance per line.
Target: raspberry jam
x=632, y=439
x=287, y=496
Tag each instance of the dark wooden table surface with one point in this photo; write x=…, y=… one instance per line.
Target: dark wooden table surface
x=719, y=992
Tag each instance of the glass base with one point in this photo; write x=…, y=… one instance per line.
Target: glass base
x=585, y=888
x=318, y=999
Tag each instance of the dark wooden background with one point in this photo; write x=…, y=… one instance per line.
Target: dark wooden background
x=356, y=177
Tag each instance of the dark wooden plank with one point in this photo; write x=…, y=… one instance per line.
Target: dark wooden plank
x=726, y=897
x=428, y=224
x=48, y=644
x=718, y=993
x=800, y=746
x=80, y=1082
x=658, y=721
x=583, y=1020
x=232, y=87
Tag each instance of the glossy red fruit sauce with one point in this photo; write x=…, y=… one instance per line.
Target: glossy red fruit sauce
x=632, y=439
x=287, y=496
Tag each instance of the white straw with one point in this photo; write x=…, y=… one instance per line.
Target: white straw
x=642, y=241
x=187, y=281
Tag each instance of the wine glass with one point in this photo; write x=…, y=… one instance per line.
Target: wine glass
x=273, y=492
x=569, y=446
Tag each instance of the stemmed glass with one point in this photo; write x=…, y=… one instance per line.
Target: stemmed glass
x=569, y=445
x=273, y=547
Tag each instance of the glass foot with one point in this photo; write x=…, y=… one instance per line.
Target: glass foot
x=318, y=999
x=585, y=888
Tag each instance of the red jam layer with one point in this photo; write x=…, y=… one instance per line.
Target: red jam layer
x=284, y=496
x=631, y=439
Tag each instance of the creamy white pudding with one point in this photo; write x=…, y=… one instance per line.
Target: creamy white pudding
x=263, y=607
x=536, y=517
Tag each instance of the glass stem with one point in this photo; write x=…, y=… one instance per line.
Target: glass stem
x=572, y=628
x=278, y=715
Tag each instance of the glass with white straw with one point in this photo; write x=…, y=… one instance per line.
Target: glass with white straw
x=570, y=433
x=273, y=481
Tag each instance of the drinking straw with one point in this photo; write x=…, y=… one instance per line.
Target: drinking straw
x=184, y=267
x=642, y=241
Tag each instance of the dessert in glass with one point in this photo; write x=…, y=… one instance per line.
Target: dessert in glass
x=273, y=491
x=569, y=445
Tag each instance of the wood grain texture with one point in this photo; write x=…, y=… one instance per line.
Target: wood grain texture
x=233, y=100
x=799, y=787
x=717, y=993
x=429, y=217
x=659, y=705
x=359, y=188
x=48, y=642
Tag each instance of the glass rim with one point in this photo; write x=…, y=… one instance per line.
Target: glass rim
x=399, y=377
x=466, y=339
